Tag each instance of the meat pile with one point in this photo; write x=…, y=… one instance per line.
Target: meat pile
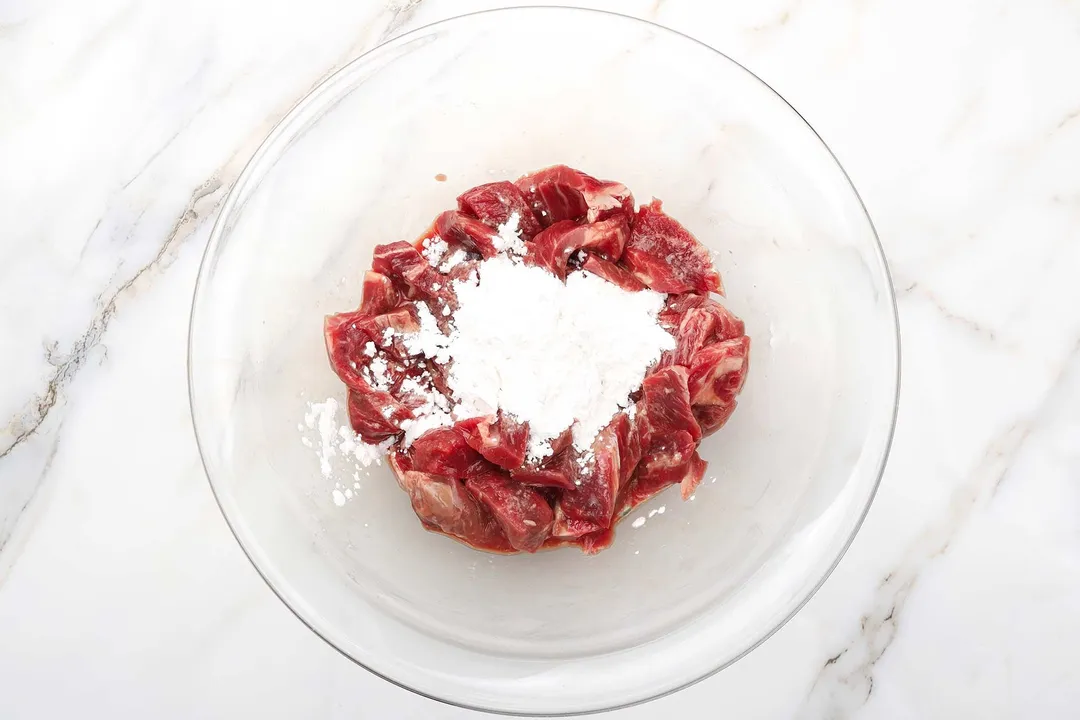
x=472, y=478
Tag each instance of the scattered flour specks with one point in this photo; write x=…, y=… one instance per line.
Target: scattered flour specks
x=335, y=441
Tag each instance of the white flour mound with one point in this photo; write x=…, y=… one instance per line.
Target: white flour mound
x=553, y=354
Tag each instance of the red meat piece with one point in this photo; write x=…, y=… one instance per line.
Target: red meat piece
x=562, y=193
x=713, y=417
x=665, y=407
x=668, y=451
x=695, y=471
x=402, y=263
x=402, y=321
x=562, y=442
x=597, y=541
x=700, y=326
x=443, y=451
x=666, y=257
x=462, y=270
x=399, y=463
x=657, y=473
x=456, y=227
x=524, y=514
x=571, y=528
x=553, y=247
x=614, y=274
x=345, y=339
x=445, y=506
x=375, y=415
x=347, y=334
x=501, y=440
x=379, y=294
x=410, y=271
x=439, y=377
x=494, y=203
x=676, y=306
x=629, y=441
x=717, y=372
x=557, y=471
x=594, y=499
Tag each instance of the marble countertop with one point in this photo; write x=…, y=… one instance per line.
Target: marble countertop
x=123, y=125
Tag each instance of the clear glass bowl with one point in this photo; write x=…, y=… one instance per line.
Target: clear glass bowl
x=491, y=96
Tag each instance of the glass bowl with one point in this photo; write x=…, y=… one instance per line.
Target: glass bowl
x=492, y=96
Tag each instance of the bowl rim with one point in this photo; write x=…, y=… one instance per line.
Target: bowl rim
x=245, y=177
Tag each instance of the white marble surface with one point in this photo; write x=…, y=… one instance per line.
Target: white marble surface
x=122, y=126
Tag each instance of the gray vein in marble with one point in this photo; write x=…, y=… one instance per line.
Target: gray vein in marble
x=1069, y=117
x=157, y=153
x=402, y=12
x=851, y=669
x=66, y=367
x=89, y=237
x=30, y=419
x=5, y=570
x=916, y=289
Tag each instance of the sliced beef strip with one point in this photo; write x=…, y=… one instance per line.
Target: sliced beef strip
x=375, y=415
x=378, y=295
x=665, y=407
x=345, y=339
x=675, y=306
x=443, y=451
x=408, y=270
x=562, y=193
x=348, y=334
x=717, y=372
x=523, y=513
x=593, y=500
x=494, y=203
x=665, y=256
x=552, y=248
x=656, y=474
x=614, y=274
x=701, y=326
x=597, y=541
x=628, y=438
x=500, y=439
x=566, y=527
x=713, y=417
x=560, y=470
x=445, y=506
x=457, y=227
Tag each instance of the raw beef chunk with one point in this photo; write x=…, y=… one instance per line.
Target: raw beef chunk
x=562, y=193
x=700, y=326
x=443, y=451
x=375, y=415
x=523, y=513
x=718, y=371
x=553, y=247
x=501, y=440
x=666, y=257
x=666, y=407
x=614, y=274
x=558, y=471
x=712, y=417
x=593, y=500
x=379, y=294
x=456, y=227
x=494, y=203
